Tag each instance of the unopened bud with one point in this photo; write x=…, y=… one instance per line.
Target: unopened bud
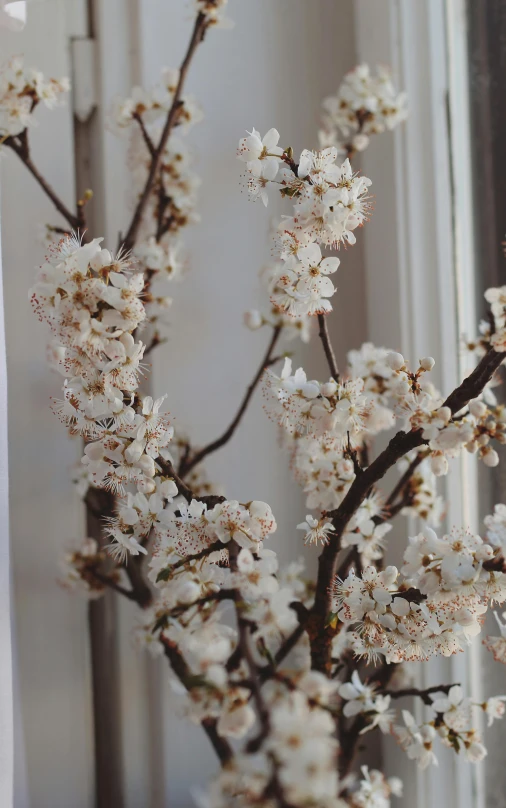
x=328, y=389
x=360, y=142
x=395, y=361
x=427, y=363
x=253, y=319
x=477, y=408
x=439, y=465
x=445, y=414
x=490, y=457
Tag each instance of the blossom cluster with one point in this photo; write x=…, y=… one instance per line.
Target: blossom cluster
x=434, y=605
x=151, y=105
x=330, y=199
x=306, y=407
x=193, y=570
x=297, y=759
x=21, y=90
x=325, y=423
x=365, y=104
x=91, y=302
x=330, y=202
x=453, y=724
x=483, y=420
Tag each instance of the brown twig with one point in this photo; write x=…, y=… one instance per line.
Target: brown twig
x=243, y=627
x=327, y=347
x=183, y=489
x=22, y=150
x=405, y=479
x=197, y=458
x=199, y=30
x=422, y=694
x=166, y=573
x=107, y=580
x=220, y=745
x=145, y=134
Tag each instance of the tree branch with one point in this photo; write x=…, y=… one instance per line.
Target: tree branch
x=24, y=155
x=166, y=573
x=220, y=745
x=401, y=444
x=223, y=439
x=422, y=694
x=110, y=582
x=199, y=30
x=183, y=489
x=180, y=668
x=404, y=480
x=327, y=347
x=147, y=140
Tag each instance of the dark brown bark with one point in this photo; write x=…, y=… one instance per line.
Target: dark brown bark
x=327, y=347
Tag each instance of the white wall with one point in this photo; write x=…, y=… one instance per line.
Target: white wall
x=272, y=70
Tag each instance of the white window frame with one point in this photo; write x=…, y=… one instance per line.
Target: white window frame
x=420, y=267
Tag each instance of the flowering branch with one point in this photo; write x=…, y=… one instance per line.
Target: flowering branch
x=401, y=444
x=199, y=29
x=186, y=552
x=20, y=147
x=220, y=745
x=199, y=456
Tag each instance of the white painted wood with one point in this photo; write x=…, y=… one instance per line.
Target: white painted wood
x=419, y=263
x=6, y=659
x=84, y=77
x=46, y=515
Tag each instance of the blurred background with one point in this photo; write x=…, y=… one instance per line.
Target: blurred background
x=413, y=282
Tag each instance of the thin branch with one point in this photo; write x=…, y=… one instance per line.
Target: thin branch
x=214, y=597
x=327, y=347
x=180, y=668
x=24, y=155
x=199, y=30
x=349, y=739
x=405, y=479
x=422, y=694
x=166, y=573
x=223, y=439
x=183, y=489
x=142, y=590
x=145, y=134
x=220, y=745
x=246, y=654
x=291, y=641
x=110, y=582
